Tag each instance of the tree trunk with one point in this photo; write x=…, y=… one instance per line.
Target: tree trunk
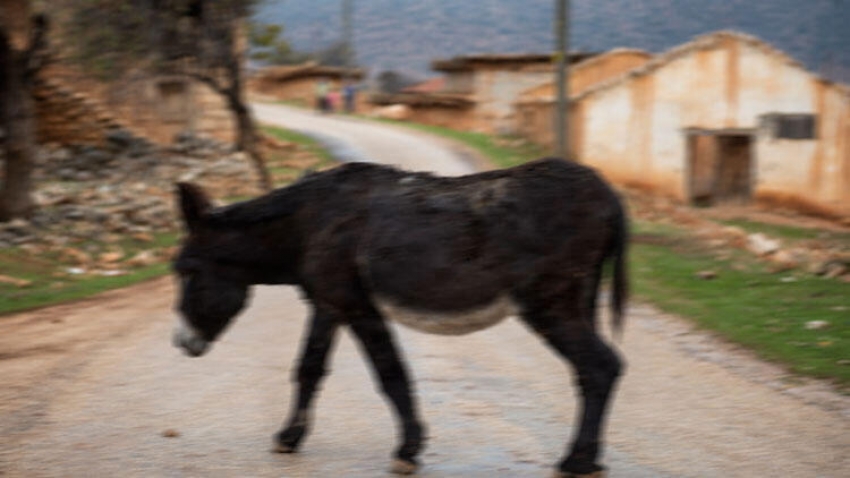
x=247, y=139
x=17, y=118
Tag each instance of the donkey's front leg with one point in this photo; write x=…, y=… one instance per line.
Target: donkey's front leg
x=310, y=371
x=378, y=344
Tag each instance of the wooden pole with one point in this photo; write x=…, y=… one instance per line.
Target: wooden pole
x=348, y=32
x=562, y=36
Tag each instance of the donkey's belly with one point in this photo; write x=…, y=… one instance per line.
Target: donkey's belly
x=448, y=322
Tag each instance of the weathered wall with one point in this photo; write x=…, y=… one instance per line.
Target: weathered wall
x=535, y=107
x=210, y=116
x=159, y=108
x=496, y=90
x=460, y=82
x=299, y=90
x=153, y=107
x=635, y=130
x=66, y=117
x=448, y=117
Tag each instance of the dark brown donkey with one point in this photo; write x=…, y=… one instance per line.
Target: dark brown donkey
x=368, y=244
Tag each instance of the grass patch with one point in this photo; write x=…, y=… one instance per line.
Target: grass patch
x=787, y=232
x=503, y=151
x=748, y=305
x=51, y=282
x=311, y=145
x=287, y=165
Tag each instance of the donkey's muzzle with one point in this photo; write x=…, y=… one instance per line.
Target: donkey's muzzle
x=190, y=342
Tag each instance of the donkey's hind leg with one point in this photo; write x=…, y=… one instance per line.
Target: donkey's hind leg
x=377, y=342
x=310, y=371
x=597, y=368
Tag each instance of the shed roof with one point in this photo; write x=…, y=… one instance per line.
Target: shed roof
x=471, y=62
x=429, y=86
x=701, y=42
x=307, y=70
x=445, y=100
x=529, y=96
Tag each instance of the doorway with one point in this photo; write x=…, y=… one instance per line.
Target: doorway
x=720, y=165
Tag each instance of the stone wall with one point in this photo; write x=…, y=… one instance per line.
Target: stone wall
x=68, y=117
x=75, y=109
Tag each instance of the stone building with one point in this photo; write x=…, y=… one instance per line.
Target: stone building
x=723, y=118
x=478, y=91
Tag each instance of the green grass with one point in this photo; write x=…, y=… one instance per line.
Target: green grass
x=746, y=304
x=52, y=284
x=503, y=151
x=303, y=140
x=786, y=232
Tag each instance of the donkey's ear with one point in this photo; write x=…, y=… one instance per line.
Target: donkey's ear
x=193, y=203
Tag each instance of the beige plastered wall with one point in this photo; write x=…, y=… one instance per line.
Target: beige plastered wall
x=635, y=131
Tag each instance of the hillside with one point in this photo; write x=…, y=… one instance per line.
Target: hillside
x=405, y=35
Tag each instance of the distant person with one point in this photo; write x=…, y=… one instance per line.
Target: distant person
x=333, y=100
x=349, y=93
x=322, y=100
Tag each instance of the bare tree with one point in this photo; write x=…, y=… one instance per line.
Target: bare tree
x=201, y=38
x=19, y=63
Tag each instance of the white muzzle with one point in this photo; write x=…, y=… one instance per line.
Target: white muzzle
x=189, y=340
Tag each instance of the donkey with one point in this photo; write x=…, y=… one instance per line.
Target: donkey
x=367, y=244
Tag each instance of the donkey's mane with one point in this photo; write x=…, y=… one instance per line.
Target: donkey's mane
x=287, y=200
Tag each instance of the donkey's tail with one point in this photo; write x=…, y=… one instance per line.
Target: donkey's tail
x=620, y=279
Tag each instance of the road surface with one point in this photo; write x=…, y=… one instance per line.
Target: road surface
x=95, y=389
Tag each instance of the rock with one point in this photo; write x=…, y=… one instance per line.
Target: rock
x=170, y=433
x=834, y=270
x=15, y=281
x=762, y=245
x=706, y=275
x=784, y=260
x=119, y=138
x=394, y=112
x=143, y=258
x=75, y=256
x=111, y=257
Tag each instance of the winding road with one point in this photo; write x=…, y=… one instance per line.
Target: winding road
x=95, y=389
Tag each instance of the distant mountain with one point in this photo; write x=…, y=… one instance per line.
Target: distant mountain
x=405, y=35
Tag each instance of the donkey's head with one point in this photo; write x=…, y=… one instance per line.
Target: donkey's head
x=213, y=287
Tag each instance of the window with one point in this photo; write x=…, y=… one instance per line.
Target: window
x=173, y=102
x=791, y=126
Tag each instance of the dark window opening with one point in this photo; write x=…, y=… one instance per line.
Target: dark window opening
x=792, y=126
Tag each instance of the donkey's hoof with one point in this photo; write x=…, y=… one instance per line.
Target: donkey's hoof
x=287, y=441
x=281, y=448
x=404, y=467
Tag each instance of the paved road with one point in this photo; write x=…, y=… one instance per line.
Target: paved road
x=95, y=389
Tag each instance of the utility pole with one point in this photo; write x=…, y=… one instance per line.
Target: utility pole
x=562, y=53
x=348, y=33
